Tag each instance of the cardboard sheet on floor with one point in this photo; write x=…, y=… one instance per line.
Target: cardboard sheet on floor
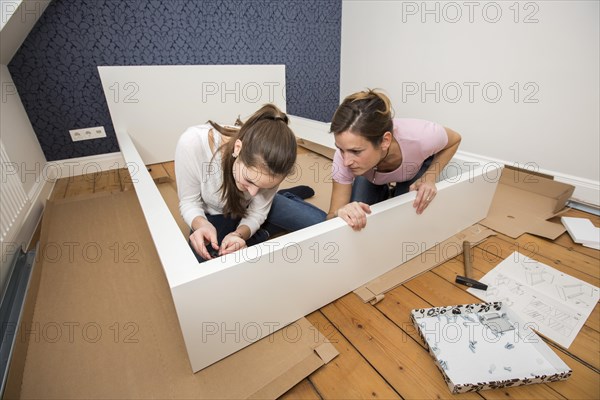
x=422, y=262
x=524, y=202
x=104, y=324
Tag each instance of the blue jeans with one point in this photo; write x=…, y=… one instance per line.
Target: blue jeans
x=370, y=193
x=288, y=213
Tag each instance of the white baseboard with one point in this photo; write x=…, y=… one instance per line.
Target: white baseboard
x=586, y=190
x=84, y=165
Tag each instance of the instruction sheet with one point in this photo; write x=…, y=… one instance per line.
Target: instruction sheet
x=555, y=304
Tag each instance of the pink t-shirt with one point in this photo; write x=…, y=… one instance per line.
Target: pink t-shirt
x=418, y=140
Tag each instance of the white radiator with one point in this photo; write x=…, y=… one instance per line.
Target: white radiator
x=13, y=199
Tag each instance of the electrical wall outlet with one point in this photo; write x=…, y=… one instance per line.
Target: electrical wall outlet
x=87, y=133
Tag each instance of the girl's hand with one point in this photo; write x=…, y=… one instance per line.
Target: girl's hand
x=355, y=214
x=204, y=235
x=426, y=192
x=232, y=242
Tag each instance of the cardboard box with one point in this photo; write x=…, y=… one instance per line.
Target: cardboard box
x=486, y=346
x=103, y=323
x=524, y=202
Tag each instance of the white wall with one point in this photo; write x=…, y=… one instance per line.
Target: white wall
x=549, y=50
x=17, y=18
x=18, y=136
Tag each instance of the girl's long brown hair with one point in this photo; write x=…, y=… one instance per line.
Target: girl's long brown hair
x=268, y=144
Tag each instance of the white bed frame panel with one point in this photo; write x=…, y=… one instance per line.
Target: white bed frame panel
x=226, y=304
x=156, y=103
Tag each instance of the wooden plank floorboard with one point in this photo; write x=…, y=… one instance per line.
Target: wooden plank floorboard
x=107, y=181
x=436, y=290
x=125, y=179
x=397, y=357
x=349, y=375
x=302, y=391
x=170, y=168
x=80, y=185
x=158, y=172
x=583, y=383
x=554, y=256
x=397, y=305
x=60, y=189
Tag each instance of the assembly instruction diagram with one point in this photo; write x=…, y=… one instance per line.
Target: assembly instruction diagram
x=553, y=303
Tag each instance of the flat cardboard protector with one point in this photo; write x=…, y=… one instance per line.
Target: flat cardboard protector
x=524, y=202
x=374, y=291
x=104, y=324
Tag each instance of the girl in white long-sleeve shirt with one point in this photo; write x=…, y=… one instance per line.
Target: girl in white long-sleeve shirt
x=227, y=180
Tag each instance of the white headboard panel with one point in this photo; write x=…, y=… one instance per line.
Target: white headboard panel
x=155, y=104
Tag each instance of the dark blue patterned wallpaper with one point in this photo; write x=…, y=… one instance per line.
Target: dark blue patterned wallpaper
x=55, y=68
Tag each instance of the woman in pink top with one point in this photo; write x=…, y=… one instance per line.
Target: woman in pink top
x=374, y=149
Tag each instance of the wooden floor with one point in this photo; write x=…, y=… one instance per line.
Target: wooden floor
x=381, y=356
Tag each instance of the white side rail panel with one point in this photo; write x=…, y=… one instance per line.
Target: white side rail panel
x=249, y=294
x=176, y=257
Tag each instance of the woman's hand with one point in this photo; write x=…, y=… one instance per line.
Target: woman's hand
x=355, y=214
x=232, y=242
x=204, y=234
x=426, y=192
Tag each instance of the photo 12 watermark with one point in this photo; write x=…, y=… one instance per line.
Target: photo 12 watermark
x=242, y=92
x=249, y=332
x=22, y=11
x=471, y=12
x=90, y=252
x=73, y=332
x=470, y=92
x=8, y=91
x=291, y=253
x=52, y=171
x=124, y=92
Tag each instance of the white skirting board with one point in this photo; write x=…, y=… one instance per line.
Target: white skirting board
x=226, y=304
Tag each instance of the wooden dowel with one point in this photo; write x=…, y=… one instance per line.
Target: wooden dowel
x=468, y=257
